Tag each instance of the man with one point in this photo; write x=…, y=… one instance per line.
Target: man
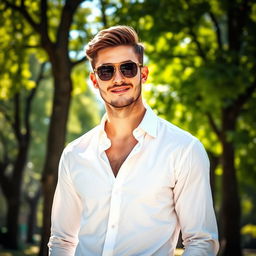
x=128, y=186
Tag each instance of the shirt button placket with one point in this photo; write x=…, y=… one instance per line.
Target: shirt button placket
x=114, y=214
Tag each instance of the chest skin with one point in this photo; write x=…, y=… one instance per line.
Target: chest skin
x=119, y=151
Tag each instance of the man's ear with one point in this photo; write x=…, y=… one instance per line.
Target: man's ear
x=144, y=74
x=94, y=80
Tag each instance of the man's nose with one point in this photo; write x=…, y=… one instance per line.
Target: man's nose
x=118, y=77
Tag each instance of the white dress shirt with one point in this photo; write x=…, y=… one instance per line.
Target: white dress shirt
x=161, y=188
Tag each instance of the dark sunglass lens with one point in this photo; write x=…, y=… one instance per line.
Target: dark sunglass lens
x=105, y=73
x=129, y=69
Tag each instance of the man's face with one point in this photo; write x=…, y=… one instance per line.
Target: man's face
x=120, y=91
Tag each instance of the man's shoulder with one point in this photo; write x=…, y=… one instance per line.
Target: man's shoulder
x=182, y=142
x=174, y=132
x=83, y=142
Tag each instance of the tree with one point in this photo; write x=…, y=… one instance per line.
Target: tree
x=11, y=183
x=54, y=39
x=17, y=93
x=205, y=54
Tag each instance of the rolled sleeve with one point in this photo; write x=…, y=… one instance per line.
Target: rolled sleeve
x=193, y=203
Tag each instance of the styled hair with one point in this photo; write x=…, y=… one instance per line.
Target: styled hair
x=111, y=37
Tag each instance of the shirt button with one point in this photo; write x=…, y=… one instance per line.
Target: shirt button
x=113, y=226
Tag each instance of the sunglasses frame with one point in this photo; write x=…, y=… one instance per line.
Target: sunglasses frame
x=119, y=65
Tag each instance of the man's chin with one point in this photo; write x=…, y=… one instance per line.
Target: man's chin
x=120, y=105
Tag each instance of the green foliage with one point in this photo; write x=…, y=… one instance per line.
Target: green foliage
x=84, y=114
x=14, y=70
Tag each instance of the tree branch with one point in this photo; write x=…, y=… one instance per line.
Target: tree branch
x=44, y=23
x=5, y=160
x=198, y=44
x=213, y=125
x=30, y=98
x=218, y=31
x=194, y=36
x=22, y=4
x=103, y=13
x=74, y=63
x=17, y=125
x=65, y=22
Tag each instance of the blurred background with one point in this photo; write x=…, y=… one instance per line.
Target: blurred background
x=202, y=60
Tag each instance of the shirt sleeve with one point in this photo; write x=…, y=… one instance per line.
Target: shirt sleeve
x=193, y=202
x=66, y=214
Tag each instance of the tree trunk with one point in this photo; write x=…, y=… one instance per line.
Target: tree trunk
x=230, y=201
x=32, y=216
x=11, y=240
x=56, y=139
x=214, y=161
x=12, y=193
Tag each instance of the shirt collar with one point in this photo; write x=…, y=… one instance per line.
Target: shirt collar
x=102, y=124
x=148, y=123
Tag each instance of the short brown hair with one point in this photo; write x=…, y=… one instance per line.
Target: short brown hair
x=114, y=36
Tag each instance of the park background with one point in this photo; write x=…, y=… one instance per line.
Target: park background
x=202, y=61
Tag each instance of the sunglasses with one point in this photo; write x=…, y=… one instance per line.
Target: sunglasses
x=128, y=69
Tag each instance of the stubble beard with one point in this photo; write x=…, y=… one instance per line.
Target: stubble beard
x=125, y=103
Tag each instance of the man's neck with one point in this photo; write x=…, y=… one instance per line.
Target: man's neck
x=121, y=122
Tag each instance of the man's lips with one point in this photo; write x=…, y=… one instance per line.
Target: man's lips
x=120, y=89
